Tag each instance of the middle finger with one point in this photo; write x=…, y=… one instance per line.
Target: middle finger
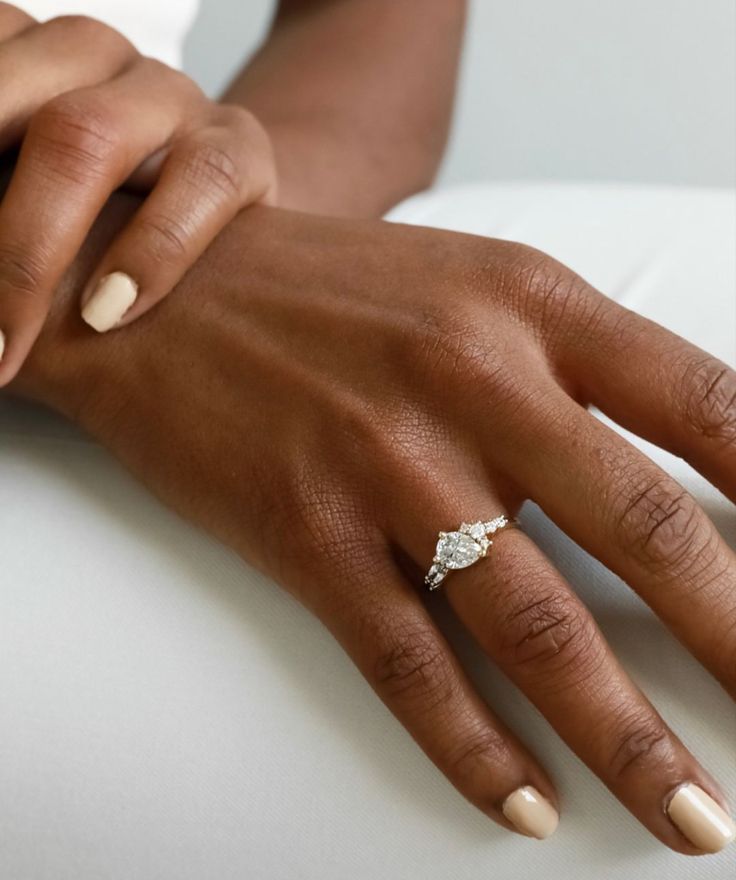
x=625, y=510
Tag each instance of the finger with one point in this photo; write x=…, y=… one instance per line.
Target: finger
x=206, y=179
x=661, y=387
x=527, y=618
x=42, y=61
x=389, y=635
x=637, y=520
x=530, y=622
x=13, y=21
x=78, y=150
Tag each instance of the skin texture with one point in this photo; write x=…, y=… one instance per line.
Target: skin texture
x=305, y=397
x=347, y=141
x=93, y=114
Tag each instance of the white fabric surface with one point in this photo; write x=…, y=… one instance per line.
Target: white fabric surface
x=168, y=714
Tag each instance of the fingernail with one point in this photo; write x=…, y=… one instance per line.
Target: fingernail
x=111, y=299
x=531, y=812
x=2, y=344
x=705, y=824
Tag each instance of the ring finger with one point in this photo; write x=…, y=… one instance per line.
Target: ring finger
x=527, y=618
x=393, y=641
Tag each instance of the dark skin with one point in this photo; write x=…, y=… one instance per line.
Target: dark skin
x=348, y=142
x=90, y=113
x=303, y=397
x=312, y=122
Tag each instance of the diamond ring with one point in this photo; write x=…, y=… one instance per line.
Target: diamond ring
x=462, y=548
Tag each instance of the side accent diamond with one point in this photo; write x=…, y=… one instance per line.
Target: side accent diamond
x=435, y=576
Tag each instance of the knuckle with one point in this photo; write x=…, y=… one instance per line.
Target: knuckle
x=165, y=238
x=212, y=167
x=78, y=135
x=661, y=524
x=475, y=750
x=84, y=24
x=639, y=743
x=85, y=29
x=393, y=441
x=710, y=401
x=246, y=126
x=12, y=17
x=414, y=668
x=159, y=70
x=329, y=531
x=257, y=160
x=547, y=637
x=452, y=345
x=21, y=269
x=544, y=292
x=239, y=117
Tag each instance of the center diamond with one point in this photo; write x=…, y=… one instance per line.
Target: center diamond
x=457, y=550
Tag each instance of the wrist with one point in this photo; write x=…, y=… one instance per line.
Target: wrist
x=325, y=169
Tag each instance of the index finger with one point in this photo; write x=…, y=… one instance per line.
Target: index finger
x=78, y=150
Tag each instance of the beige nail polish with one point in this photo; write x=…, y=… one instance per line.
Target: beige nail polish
x=2, y=344
x=531, y=813
x=705, y=824
x=112, y=298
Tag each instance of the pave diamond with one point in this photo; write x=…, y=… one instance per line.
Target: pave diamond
x=477, y=530
x=435, y=576
x=495, y=524
x=457, y=550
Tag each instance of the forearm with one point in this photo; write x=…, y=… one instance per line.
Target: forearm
x=357, y=96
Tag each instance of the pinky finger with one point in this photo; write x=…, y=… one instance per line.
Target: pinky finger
x=396, y=645
x=204, y=181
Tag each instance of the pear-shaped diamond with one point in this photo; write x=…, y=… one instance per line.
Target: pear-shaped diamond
x=457, y=550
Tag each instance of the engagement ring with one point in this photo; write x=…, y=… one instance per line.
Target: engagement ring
x=462, y=548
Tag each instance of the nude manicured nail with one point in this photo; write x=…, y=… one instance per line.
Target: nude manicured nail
x=111, y=299
x=531, y=813
x=705, y=824
x=2, y=344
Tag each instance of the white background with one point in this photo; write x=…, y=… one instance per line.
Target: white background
x=638, y=90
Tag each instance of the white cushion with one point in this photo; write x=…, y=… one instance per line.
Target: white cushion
x=168, y=714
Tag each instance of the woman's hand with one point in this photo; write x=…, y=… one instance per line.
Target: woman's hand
x=93, y=114
x=328, y=398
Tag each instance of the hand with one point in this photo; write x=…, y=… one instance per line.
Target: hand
x=327, y=398
x=94, y=114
